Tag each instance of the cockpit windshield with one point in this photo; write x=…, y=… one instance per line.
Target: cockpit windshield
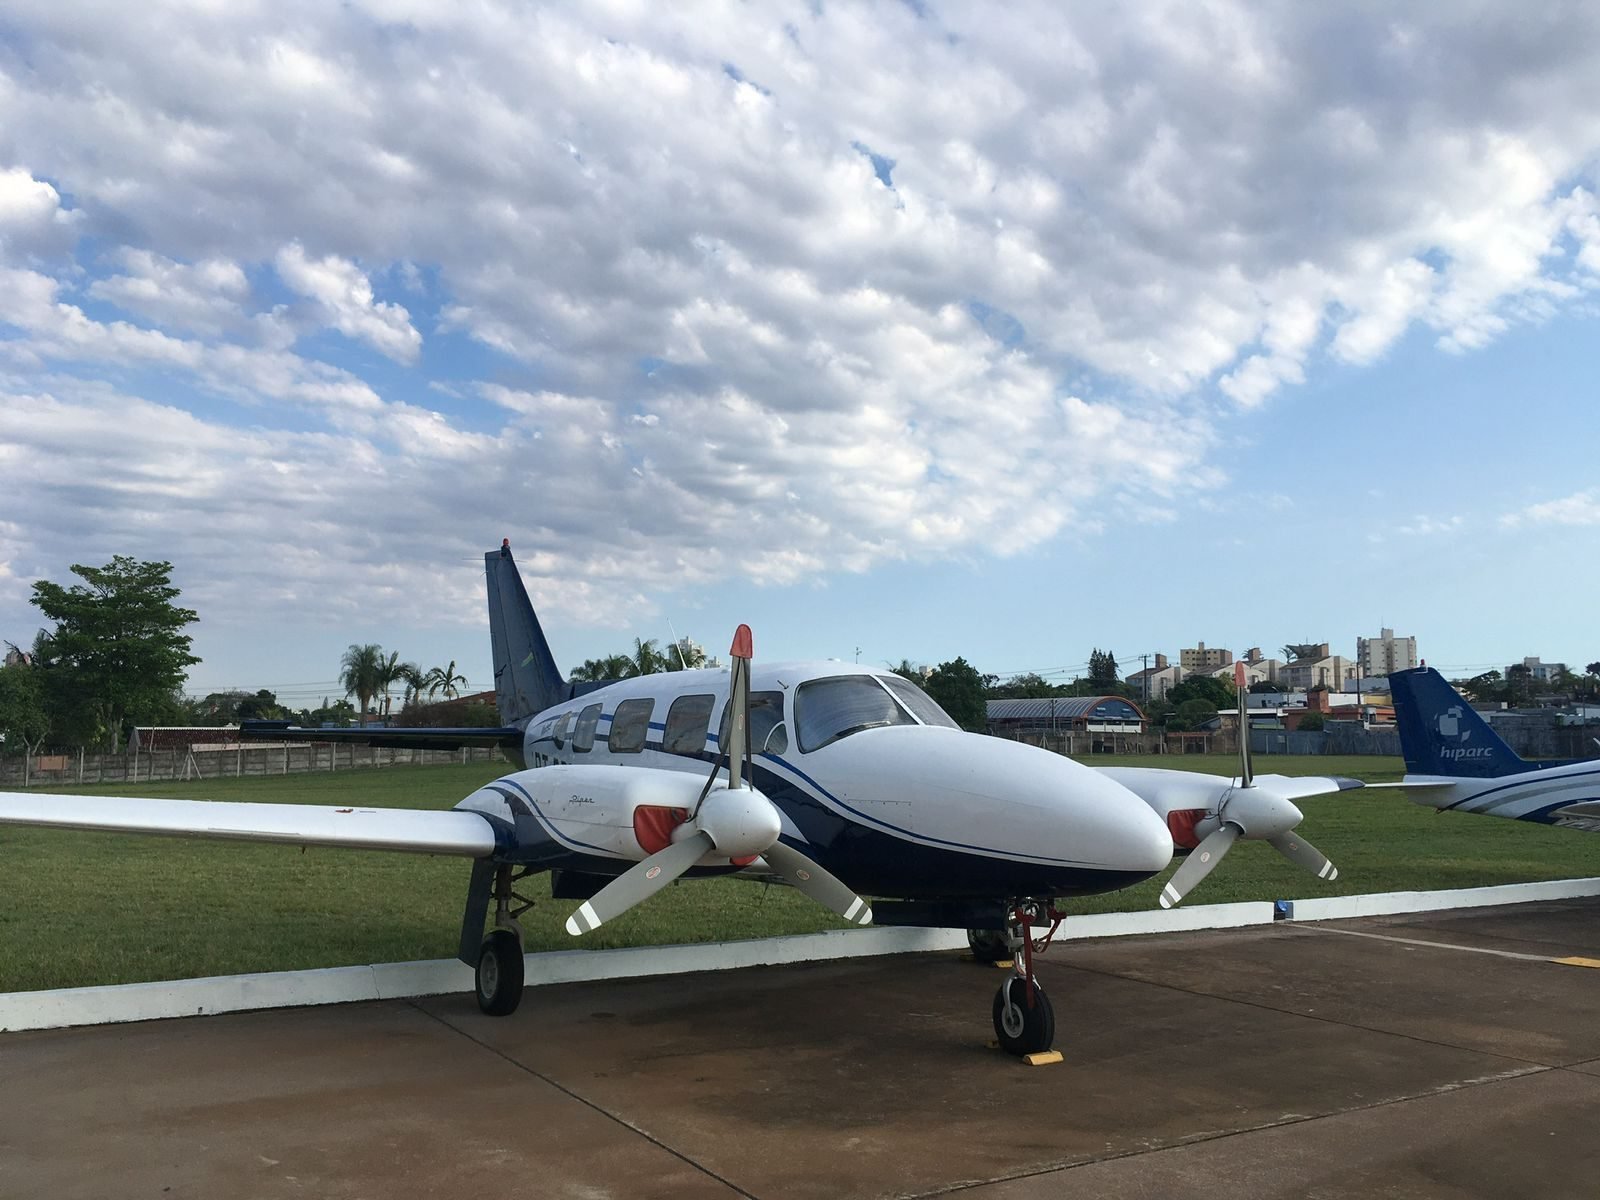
x=918, y=701
x=826, y=710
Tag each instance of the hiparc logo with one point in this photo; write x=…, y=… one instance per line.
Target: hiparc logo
x=1457, y=753
x=1450, y=723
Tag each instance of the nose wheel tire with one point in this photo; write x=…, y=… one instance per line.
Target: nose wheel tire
x=499, y=974
x=989, y=945
x=1023, y=1029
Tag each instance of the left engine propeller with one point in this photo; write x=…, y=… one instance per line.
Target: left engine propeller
x=731, y=820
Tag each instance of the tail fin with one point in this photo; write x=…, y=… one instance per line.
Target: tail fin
x=1440, y=734
x=526, y=680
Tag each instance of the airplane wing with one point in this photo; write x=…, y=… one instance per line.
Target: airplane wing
x=1298, y=787
x=1584, y=816
x=420, y=831
x=419, y=738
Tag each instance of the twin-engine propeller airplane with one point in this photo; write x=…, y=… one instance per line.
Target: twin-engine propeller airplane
x=839, y=780
x=1456, y=763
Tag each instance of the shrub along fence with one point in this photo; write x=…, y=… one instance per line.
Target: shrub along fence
x=231, y=760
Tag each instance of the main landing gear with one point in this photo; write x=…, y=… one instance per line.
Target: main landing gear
x=1024, y=1022
x=498, y=975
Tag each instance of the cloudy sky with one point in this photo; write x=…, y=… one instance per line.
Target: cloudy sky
x=898, y=329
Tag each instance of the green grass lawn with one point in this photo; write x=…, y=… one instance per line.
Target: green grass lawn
x=79, y=909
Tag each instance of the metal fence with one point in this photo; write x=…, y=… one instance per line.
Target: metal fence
x=233, y=761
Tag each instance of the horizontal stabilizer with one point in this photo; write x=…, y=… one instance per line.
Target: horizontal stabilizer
x=420, y=831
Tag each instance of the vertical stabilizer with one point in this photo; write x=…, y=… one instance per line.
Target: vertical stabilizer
x=1440, y=734
x=525, y=676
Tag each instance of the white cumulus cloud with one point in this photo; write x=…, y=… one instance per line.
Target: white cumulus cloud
x=343, y=296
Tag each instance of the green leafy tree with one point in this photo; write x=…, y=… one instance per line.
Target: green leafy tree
x=597, y=670
x=118, y=649
x=907, y=669
x=959, y=689
x=360, y=669
x=646, y=658
x=1487, y=688
x=1219, y=693
x=1025, y=687
x=683, y=655
x=24, y=723
x=1192, y=713
x=1102, y=669
x=446, y=679
x=1312, y=722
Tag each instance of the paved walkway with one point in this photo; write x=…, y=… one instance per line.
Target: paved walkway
x=1438, y=1055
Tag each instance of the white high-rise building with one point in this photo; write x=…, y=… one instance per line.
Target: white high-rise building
x=1385, y=653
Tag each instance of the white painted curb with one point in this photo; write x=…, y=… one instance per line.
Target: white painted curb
x=1380, y=904
x=388, y=981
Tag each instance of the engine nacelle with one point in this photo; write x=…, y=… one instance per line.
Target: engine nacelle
x=630, y=812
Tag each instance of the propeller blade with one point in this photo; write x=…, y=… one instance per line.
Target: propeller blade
x=639, y=882
x=1198, y=865
x=1303, y=854
x=821, y=885
x=741, y=652
x=1241, y=694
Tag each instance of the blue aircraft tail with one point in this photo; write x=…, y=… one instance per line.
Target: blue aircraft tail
x=526, y=680
x=1440, y=734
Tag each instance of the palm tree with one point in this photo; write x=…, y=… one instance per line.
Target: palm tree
x=646, y=659
x=445, y=679
x=359, y=673
x=597, y=670
x=390, y=672
x=415, y=679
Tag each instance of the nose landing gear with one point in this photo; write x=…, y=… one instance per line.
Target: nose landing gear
x=1024, y=1021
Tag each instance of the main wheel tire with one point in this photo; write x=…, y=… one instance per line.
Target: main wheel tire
x=989, y=945
x=1021, y=1029
x=499, y=974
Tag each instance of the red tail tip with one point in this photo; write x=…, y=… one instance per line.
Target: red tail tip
x=743, y=644
x=505, y=543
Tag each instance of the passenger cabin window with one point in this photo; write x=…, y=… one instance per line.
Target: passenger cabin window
x=921, y=704
x=768, y=734
x=688, y=722
x=562, y=727
x=583, y=734
x=629, y=724
x=826, y=710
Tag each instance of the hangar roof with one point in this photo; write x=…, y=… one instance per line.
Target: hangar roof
x=1066, y=708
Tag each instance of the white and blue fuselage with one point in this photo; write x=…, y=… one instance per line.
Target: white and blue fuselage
x=871, y=780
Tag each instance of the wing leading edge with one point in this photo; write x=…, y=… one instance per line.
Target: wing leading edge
x=419, y=831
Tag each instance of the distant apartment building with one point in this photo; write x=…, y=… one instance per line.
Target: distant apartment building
x=1328, y=671
x=1153, y=683
x=1542, y=671
x=1199, y=659
x=1385, y=654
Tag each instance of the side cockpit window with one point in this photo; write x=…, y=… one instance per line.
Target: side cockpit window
x=768, y=734
x=563, y=727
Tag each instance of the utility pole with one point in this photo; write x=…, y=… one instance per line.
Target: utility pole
x=1145, y=676
x=858, y=655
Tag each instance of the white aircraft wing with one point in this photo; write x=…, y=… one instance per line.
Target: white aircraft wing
x=420, y=831
x=1584, y=816
x=1298, y=787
